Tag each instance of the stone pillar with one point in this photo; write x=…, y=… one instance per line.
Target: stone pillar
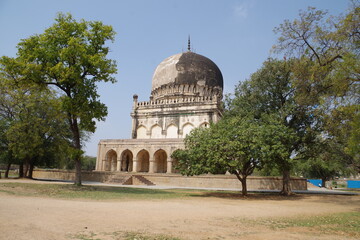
x=134, y=117
x=103, y=165
x=98, y=159
x=169, y=165
x=151, y=165
x=118, y=166
x=135, y=164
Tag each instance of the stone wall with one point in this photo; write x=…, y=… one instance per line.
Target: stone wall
x=226, y=181
x=203, y=181
x=68, y=175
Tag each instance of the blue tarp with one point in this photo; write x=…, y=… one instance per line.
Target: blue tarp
x=315, y=182
x=353, y=183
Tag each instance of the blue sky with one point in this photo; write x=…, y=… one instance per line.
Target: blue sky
x=237, y=35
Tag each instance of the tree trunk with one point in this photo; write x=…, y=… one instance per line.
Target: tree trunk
x=21, y=170
x=78, y=172
x=7, y=170
x=323, y=181
x=77, y=148
x=242, y=179
x=244, y=186
x=26, y=167
x=286, y=190
x=31, y=169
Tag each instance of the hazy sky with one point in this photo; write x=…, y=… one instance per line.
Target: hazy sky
x=236, y=35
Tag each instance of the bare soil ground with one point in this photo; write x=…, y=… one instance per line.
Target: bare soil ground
x=212, y=217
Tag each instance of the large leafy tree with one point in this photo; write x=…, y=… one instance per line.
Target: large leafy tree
x=69, y=57
x=39, y=135
x=327, y=70
x=269, y=98
x=231, y=145
x=34, y=130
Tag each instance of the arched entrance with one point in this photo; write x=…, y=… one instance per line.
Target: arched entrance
x=126, y=161
x=110, y=161
x=143, y=161
x=160, y=158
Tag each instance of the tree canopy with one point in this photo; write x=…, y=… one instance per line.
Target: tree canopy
x=69, y=57
x=228, y=146
x=34, y=129
x=326, y=51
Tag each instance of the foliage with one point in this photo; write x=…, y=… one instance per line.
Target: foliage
x=88, y=164
x=228, y=146
x=325, y=160
x=326, y=73
x=70, y=57
x=6, y=155
x=285, y=125
x=263, y=126
x=34, y=129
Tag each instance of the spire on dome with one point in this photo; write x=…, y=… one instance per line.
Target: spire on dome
x=189, y=48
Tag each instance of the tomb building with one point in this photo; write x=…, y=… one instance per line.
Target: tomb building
x=186, y=93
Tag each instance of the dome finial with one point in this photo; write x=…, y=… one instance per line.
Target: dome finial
x=189, y=48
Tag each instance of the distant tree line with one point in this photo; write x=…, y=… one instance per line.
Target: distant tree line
x=296, y=115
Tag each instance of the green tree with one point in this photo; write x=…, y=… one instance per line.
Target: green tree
x=325, y=160
x=89, y=163
x=39, y=136
x=352, y=145
x=35, y=130
x=327, y=70
x=286, y=126
x=70, y=57
x=230, y=145
x=5, y=153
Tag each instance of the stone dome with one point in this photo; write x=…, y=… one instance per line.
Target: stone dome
x=187, y=69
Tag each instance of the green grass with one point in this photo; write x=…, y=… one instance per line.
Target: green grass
x=339, y=223
x=12, y=174
x=70, y=191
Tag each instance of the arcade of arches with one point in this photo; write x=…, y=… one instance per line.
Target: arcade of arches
x=151, y=158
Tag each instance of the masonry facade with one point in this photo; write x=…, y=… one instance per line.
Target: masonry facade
x=186, y=93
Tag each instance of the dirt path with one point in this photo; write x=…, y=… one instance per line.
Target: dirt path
x=202, y=218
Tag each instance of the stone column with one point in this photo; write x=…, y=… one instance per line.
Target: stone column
x=135, y=163
x=169, y=165
x=98, y=159
x=151, y=165
x=118, y=165
x=103, y=165
x=134, y=116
